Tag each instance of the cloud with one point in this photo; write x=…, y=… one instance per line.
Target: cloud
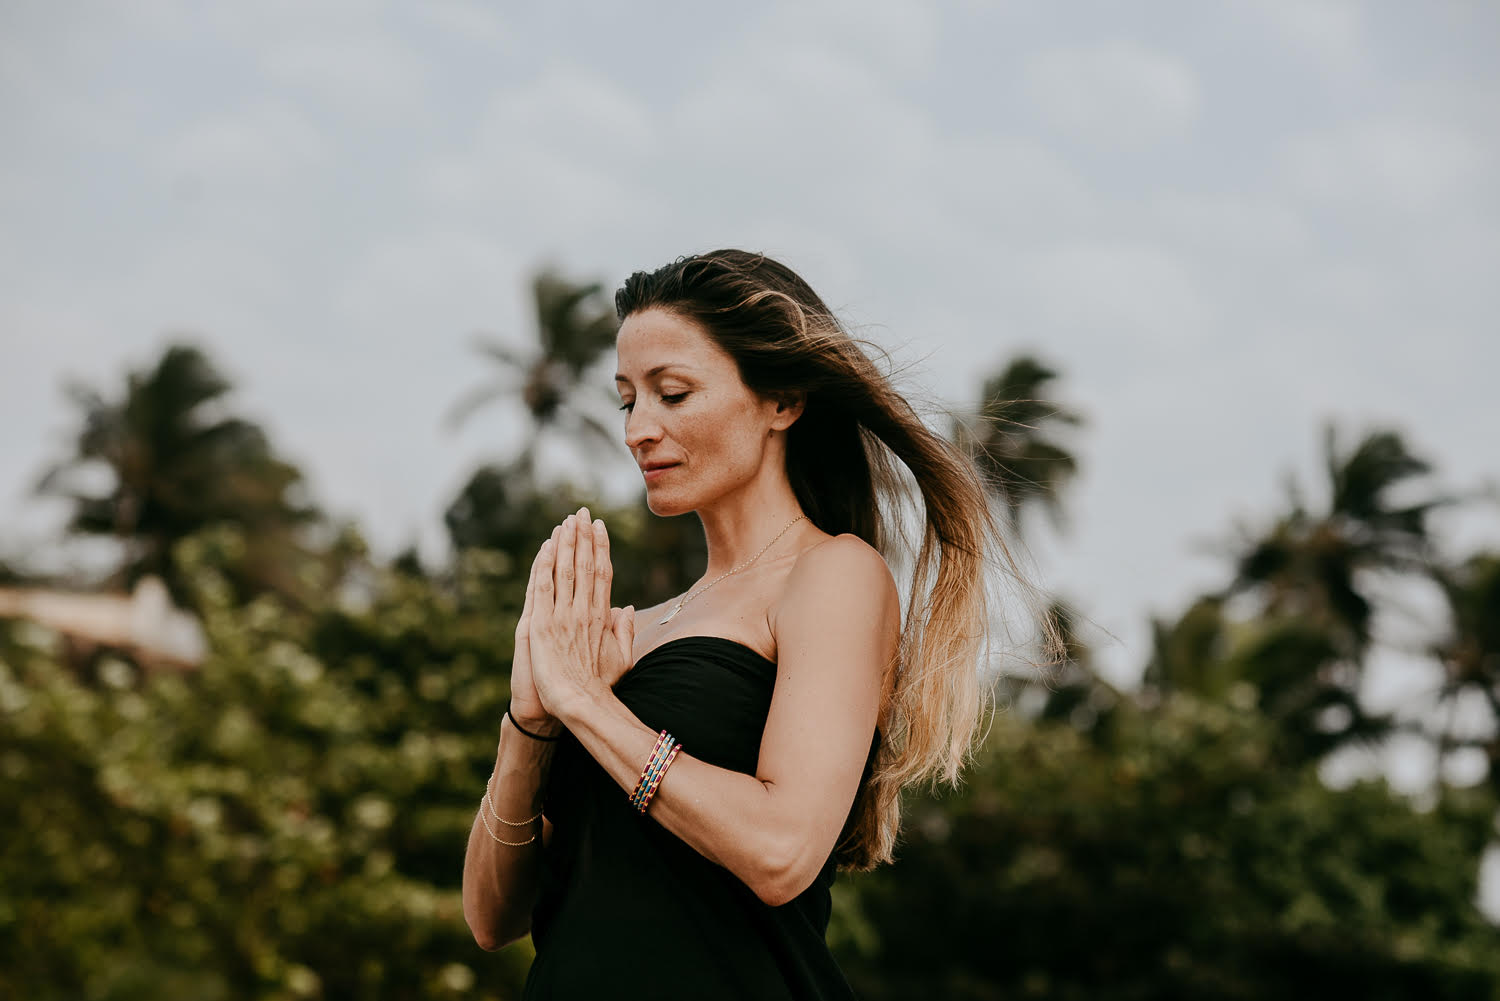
x=264, y=143
x=1115, y=94
x=562, y=157
x=891, y=36
x=570, y=110
x=1330, y=31
x=1136, y=293
x=469, y=19
x=1392, y=163
x=368, y=74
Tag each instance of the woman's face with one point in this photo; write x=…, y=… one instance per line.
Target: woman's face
x=694, y=428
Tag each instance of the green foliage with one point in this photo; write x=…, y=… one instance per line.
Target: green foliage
x=176, y=465
x=289, y=821
x=1167, y=856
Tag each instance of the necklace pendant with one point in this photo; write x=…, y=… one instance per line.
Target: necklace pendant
x=668, y=617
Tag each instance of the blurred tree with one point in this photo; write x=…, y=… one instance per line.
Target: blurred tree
x=1309, y=564
x=575, y=325
x=1076, y=691
x=1470, y=656
x=1009, y=442
x=1171, y=857
x=286, y=822
x=177, y=463
x=1010, y=439
x=1302, y=640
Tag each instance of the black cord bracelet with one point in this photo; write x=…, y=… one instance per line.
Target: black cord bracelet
x=533, y=736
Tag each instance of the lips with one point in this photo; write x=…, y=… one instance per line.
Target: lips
x=652, y=470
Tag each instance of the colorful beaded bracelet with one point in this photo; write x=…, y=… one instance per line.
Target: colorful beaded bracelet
x=653, y=766
x=656, y=781
x=656, y=766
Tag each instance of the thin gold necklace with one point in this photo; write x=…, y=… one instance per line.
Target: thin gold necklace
x=693, y=594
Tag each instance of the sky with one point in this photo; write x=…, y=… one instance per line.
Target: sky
x=1223, y=224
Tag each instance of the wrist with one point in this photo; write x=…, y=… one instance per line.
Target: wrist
x=580, y=704
x=545, y=728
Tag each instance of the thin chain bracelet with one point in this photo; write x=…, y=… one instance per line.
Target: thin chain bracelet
x=496, y=815
x=498, y=840
x=508, y=823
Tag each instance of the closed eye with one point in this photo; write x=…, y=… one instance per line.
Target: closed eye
x=671, y=399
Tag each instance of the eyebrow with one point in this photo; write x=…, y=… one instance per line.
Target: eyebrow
x=655, y=371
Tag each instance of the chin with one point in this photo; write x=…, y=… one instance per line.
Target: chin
x=664, y=505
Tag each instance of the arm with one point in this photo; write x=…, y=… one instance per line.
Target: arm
x=501, y=881
x=836, y=627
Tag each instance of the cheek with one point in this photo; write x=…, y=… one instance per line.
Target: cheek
x=719, y=435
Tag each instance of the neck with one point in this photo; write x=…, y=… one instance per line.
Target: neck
x=739, y=526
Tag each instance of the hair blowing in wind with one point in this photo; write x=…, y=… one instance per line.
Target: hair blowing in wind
x=845, y=459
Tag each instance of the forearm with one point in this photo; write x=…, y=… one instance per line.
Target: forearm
x=500, y=881
x=731, y=818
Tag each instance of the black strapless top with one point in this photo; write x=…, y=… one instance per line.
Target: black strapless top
x=629, y=910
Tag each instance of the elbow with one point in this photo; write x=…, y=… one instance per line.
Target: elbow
x=783, y=873
x=492, y=934
x=494, y=939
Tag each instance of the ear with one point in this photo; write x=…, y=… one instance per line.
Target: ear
x=789, y=407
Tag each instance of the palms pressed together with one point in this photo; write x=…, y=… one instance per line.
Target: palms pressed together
x=569, y=642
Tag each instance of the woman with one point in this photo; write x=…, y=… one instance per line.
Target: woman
x=675, y=788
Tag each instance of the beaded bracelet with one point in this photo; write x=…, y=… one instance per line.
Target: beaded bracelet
x=656, y=781
x=661, y=758
x=651, y=760
x=654, y=765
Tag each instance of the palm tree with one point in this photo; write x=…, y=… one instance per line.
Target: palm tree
x=1310, y=563
x=574, y=326
x=176, y=465
x=1470, y=655
x=1302, y=648
x=1010, y=439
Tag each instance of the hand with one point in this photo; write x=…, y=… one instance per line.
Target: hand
x=617, y=647
x=578, y=645
x=525, y=704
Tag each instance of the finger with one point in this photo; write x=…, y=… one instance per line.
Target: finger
x=603, y=574
x=603, y=569
x=625, y=634
x=544, y=586
x=583, y=566
x=526, y=603
x=627, y=620
x=563, y=568
x=531, y=576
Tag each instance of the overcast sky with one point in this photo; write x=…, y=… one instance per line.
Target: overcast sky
x=1223, y=223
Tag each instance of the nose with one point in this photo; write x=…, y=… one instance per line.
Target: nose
x=641, y=427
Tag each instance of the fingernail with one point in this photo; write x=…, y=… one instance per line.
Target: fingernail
x=598, y=523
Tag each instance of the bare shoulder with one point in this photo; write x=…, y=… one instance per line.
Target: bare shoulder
x=843, y=555
x=843, y=575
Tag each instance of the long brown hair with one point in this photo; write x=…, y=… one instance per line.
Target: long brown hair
x=842, y=456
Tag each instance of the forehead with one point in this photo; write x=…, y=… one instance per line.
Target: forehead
x=653, y=338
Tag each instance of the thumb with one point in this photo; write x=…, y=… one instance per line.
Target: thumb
x=627, y=630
